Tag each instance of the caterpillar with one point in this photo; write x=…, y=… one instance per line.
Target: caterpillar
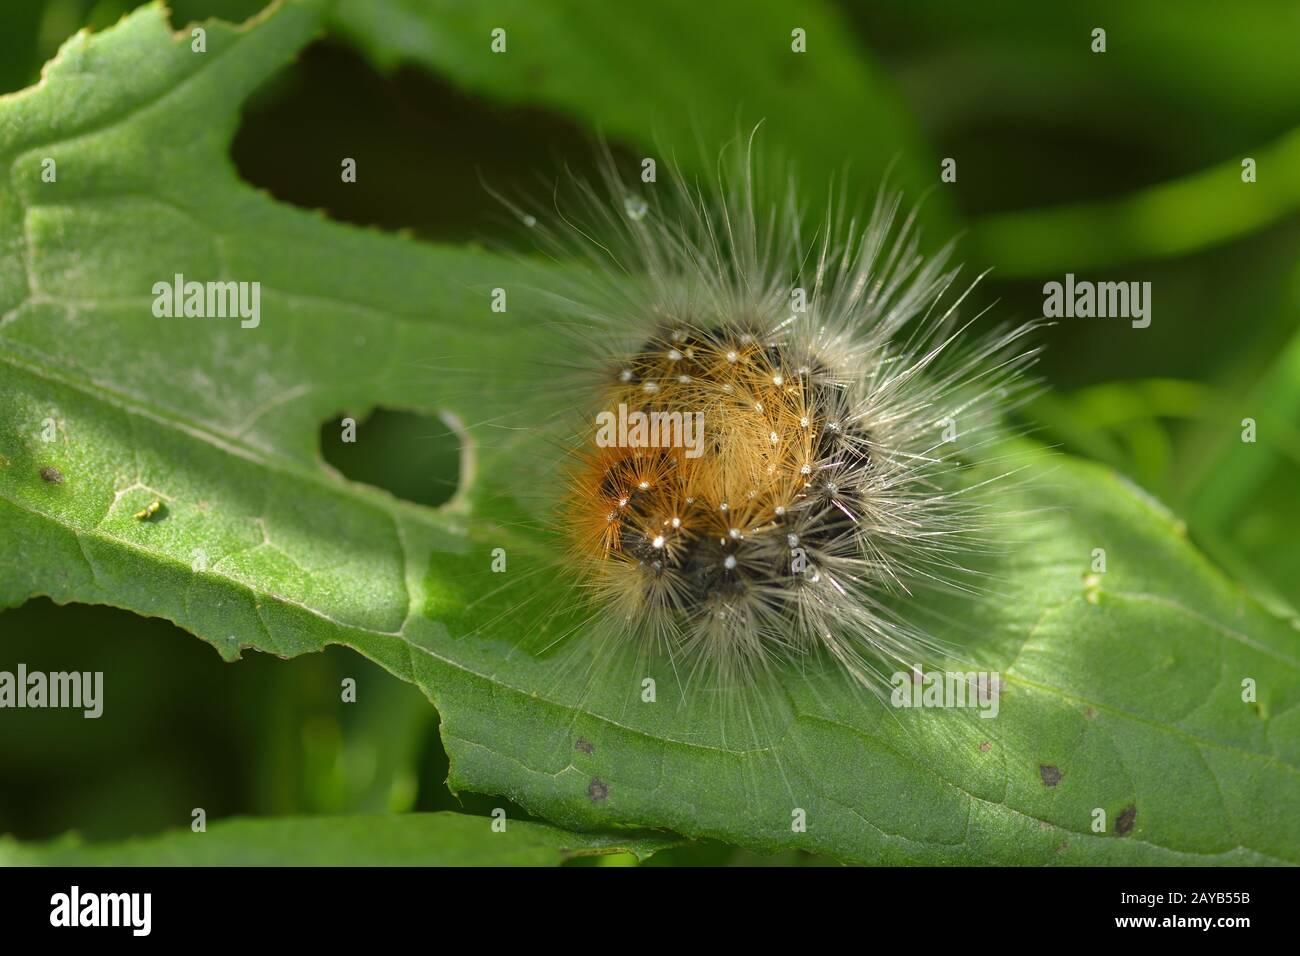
x=784, y=443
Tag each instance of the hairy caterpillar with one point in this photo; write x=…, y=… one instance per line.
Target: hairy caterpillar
x=839, y=396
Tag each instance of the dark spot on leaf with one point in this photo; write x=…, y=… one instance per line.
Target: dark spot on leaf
x=1090, y=713
x=51, y=476
x=1050, y=773
x=1124, y=822
x=585, y=745
x=984, y=747
x=1063, y=847
x=597, y=790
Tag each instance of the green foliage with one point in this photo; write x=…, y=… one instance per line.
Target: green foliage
x=1122, y=690
x=409, y=839
x=677, y=77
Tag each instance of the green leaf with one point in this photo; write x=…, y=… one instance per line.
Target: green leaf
x=1123, y=689
x=1175, y=218
x=1243, y=495
x=674, y=78
x=412, y=839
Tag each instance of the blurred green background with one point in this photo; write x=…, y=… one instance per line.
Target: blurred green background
x=1123, y=166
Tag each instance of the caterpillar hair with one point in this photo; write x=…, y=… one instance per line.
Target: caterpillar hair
x=786, y=439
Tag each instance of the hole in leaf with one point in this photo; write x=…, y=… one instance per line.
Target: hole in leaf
x=415, y=457
x=423, y=149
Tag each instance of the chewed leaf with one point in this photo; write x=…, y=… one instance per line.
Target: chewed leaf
x=672, y=78
x=1166, y=701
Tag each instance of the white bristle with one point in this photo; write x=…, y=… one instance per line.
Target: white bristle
x=820, y=492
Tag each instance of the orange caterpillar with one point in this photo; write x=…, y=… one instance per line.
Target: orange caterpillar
x=836, y=405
